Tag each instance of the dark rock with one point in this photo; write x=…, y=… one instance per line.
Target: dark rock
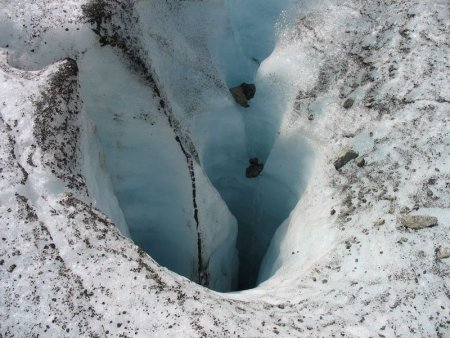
x=360, y=162
x=11, y=268
x=239, y=96
x=253, y=160
x=249, y=90
x=418, y=222
x=255, y=168
x=348, y=103
x=345, y=156
x=243, y=93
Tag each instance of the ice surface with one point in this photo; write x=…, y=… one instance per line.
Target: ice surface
x=149, y=175
x=98, y=179
x=340, y=264
x=200, y=50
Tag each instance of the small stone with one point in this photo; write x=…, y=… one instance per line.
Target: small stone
x=360, y=162
x=443, y=253
x=380, y=222
x=239, y=96
x=404, y=32
x=418, y=222
x=332, y=212
x=348, y=103
x=243, y=93
x=389, y=198
x=249, y=90
x=369, y=102
x=311, y=117
x=11, y=268
x=345, y=156
x=255, y=168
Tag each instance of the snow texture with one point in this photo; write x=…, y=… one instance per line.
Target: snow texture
x=117, y=127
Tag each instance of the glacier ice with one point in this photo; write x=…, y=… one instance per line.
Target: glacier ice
x=65, y=270
x=147, y=168
x=148, y=173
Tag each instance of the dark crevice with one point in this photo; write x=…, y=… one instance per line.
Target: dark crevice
x=202, y=270
x=258, y=208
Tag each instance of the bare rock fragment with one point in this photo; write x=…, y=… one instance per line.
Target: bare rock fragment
x=369, y=102
x=389, y=198
x=443, y=253
x=243, y=93
x=345, y=156
x=348, y=103
x=360, y=162
x=418, y=222
x=255, y=168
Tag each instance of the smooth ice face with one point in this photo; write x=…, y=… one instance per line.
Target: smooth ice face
x=149, y=175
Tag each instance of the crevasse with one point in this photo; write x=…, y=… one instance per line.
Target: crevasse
x=198, y=51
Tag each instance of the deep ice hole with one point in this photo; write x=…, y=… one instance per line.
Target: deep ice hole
x=151, y=181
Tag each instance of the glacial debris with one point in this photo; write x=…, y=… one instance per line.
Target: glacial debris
x=345, y=156
x=254, y=169
x=443, y=253
x=243, y=93
x=419, y=222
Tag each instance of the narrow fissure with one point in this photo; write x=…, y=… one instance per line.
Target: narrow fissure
x=202, y=271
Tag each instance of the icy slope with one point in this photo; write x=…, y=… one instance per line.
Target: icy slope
x=340, y=264
x=150, y=177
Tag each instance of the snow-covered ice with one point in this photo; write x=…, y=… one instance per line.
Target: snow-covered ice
x=123, y=168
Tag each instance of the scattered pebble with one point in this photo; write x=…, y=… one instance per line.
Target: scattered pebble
x=443, y=253
x=348, y=103
x=360, y=162
x=418, y=222
x=388, y=198
x=345, y=156
x=243, y=93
